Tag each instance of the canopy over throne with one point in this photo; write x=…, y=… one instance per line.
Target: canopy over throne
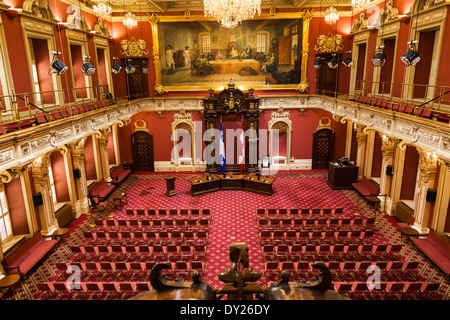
x=228, y=103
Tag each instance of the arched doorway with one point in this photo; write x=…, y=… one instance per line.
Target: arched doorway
x=142, y=144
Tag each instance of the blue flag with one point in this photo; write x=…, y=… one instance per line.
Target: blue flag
x=222, y=150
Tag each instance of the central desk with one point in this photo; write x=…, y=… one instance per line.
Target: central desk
x=202, y=185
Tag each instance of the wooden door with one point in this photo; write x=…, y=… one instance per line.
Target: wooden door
x=137, y=82
x=142, y=142
x=327, y=78
x=323, y=145
x=284, y=50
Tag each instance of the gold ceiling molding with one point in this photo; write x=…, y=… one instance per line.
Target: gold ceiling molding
x=329, y=43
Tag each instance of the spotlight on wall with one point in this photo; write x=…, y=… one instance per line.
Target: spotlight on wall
x=144, y=68
x=116, y=67
x=130, y=68
x=317, y=63
x=57, y=67
x=379, y=59
x=348, y=62
x=411, y=57
x=333, y=63
x=87, y=68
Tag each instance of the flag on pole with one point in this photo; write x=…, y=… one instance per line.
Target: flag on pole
x=242, y=148
x=222, y=149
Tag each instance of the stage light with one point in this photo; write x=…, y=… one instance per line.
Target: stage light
x=144, y=69
x=116, y=67
x=411, y=57
x=333, y=63
x=129, y=68
x=317, y=63
x=57, y=66
x=348, y=62
x=87, y=68
x=379, y=59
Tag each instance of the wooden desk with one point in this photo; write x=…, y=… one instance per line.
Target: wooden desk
x=201, y=185
x=234, y=65
x=60, y=232
x=119, y=198
x=409, y=231
x=231, y=182
x=9, y=281
x=341, y=177
x=262, y=186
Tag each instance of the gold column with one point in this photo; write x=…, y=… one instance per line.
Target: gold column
x=397, y=177
x=46, y=211
x=81, y=201
x=26, y=183
x=427, y=175
x=102, y=140
x=442, y=198
x=361, y=137
x=387, y=149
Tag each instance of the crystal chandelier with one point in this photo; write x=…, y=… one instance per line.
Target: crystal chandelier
x=231, y=12
x=360, y=4
x=331, y=15
x=102, y=11
x=130, y=21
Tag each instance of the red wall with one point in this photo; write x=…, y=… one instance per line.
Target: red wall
x=89, y=160
x=59, y=177
x=377, y=157
x=16, y=205
x=409, y=173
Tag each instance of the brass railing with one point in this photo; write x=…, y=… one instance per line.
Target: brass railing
x=22, y=108
x=417, y=96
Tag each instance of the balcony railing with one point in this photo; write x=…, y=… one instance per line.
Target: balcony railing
x=23, y=110
x=425, y=101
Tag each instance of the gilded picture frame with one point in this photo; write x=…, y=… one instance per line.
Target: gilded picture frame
x=185, y=60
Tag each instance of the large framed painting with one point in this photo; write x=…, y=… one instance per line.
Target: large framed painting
x=194, y=53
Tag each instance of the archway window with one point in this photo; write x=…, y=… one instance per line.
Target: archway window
x=262, y=41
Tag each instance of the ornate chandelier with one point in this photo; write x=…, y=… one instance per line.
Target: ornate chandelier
x=130, y=21
x=102, y=11
x=231, y=12
x=360, y=4
x=331, y=15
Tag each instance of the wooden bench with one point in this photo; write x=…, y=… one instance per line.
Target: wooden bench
x=28, y=255
x=100, y=191
x=366, y=188
x=435, y=248
x=119, y=174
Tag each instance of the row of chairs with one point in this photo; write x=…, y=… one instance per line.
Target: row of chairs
x=294, y=212
x=324, y=223
x=326, y=252
x=149, y=237
x=163, y=213
x=67, y=111
x=91, y=290
x=126, y=271
x=390, y=290
x=304, y=237
x=188, y=223
x=346, y=271
x=140, y=253
x=403, y=107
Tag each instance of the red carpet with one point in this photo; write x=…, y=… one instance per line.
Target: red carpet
x=233, y=220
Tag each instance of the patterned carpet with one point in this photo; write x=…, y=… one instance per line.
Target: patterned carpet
x=233, y=216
